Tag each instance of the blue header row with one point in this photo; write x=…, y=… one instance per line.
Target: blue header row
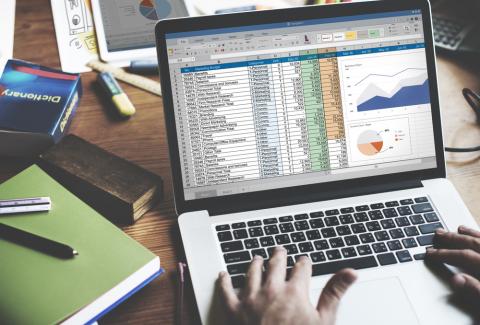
x=301, y=58
x=292, y=24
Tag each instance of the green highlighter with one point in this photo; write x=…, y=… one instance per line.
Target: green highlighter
x=122, y=103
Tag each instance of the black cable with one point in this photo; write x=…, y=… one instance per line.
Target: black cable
x=473, y=99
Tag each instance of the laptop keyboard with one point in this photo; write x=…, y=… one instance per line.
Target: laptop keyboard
x=358, y=237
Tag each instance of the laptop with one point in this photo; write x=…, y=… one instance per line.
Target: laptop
x=318, y=129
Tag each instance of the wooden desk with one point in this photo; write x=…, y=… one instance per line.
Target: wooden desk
x=142, y=140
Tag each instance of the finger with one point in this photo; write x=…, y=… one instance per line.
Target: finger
x=444, y=239
x=277, y=267
x=334, y=291
x=254, y=275
x=468, y=231
x=228, y=293
x=301, y=273
x=466, y=285
x=464, y=258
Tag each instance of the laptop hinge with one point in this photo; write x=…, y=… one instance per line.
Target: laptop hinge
x=290, y=199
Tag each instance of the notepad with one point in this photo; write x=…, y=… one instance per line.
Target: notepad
x=40, y=289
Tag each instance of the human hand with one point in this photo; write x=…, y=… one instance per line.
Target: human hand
x=279, y=301
x=462, y=250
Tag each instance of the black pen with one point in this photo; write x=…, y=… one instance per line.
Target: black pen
x=36, y=242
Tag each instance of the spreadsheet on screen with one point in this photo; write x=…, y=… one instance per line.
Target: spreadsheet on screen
x=277, y=105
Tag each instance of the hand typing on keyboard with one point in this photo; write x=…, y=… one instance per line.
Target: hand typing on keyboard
x=462, y=250
x=278, y=300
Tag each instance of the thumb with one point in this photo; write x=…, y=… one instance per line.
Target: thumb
x=334, y=291
x=466, y=285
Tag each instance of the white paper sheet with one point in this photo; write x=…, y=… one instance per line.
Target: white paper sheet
x=7, y=29
x=75, y=33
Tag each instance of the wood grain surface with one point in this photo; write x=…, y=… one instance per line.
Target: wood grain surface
x=142, y=141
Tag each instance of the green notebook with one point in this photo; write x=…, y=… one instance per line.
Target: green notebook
x=39, y=289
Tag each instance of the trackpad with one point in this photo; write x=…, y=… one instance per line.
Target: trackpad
x=375, y=302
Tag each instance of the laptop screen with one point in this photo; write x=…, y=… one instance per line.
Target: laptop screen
x=270, y=106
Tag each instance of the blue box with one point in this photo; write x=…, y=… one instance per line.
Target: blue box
x=37, y=105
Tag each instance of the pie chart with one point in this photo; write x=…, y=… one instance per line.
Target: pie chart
x=369, y=143
x=155, y=9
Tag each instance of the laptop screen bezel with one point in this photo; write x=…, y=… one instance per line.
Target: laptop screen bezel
x=291, y=195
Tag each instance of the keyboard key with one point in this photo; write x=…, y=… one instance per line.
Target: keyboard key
x=361, y=217
x=232, y=246
x=347, y=210
x=302, y=216
x=375, y=214
x=270, y=221
x=291, y=249
x=394, y=245
x=396, y=233
x=317, y=214
x=366, y=238
x=379, y=247
x=317, y=223
x=364, y=250
x=271, y=230
x=352, y=240
x=332, y=212
x=404, y=210
x=286, y=227
x=255, y=232
x=328, y=232
x=254, y=223
x=362, y=208
x=346, y=219
x=409, y=242
x=313, y=234
x=251, y=243
x=267, y=241
x=404, y=256
x=386, y=259
x=270, y=251
x=222, y=227
x=377, y=206
x=290, y=261
x=336, y=242
x=354, y=263
x=318, y=257
x=373, y=225
x=416, y=219
x=237, y=257
x=238, y=225
x=421, y=199
x=422, y=208
x=224, y=236
x=238, y=281
x=406, y=202
x=240, y=234
x=333, y=254
x=343, y=230
x=260, y=252
x=301, y=225
x=349, y=252
x=429, y=227
x=305, y=247
x=390, y=213
x=358, y=228
x=282, y=239
x=411, y=231
x=431, y=217
x=285, y=219
x=321, y=244
x=238, y=268
x=331, y=221
x=298, y=237
x=419, y=256
x=402, y=222
x=392, y=204
x=387, y=224
x=381, y=235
